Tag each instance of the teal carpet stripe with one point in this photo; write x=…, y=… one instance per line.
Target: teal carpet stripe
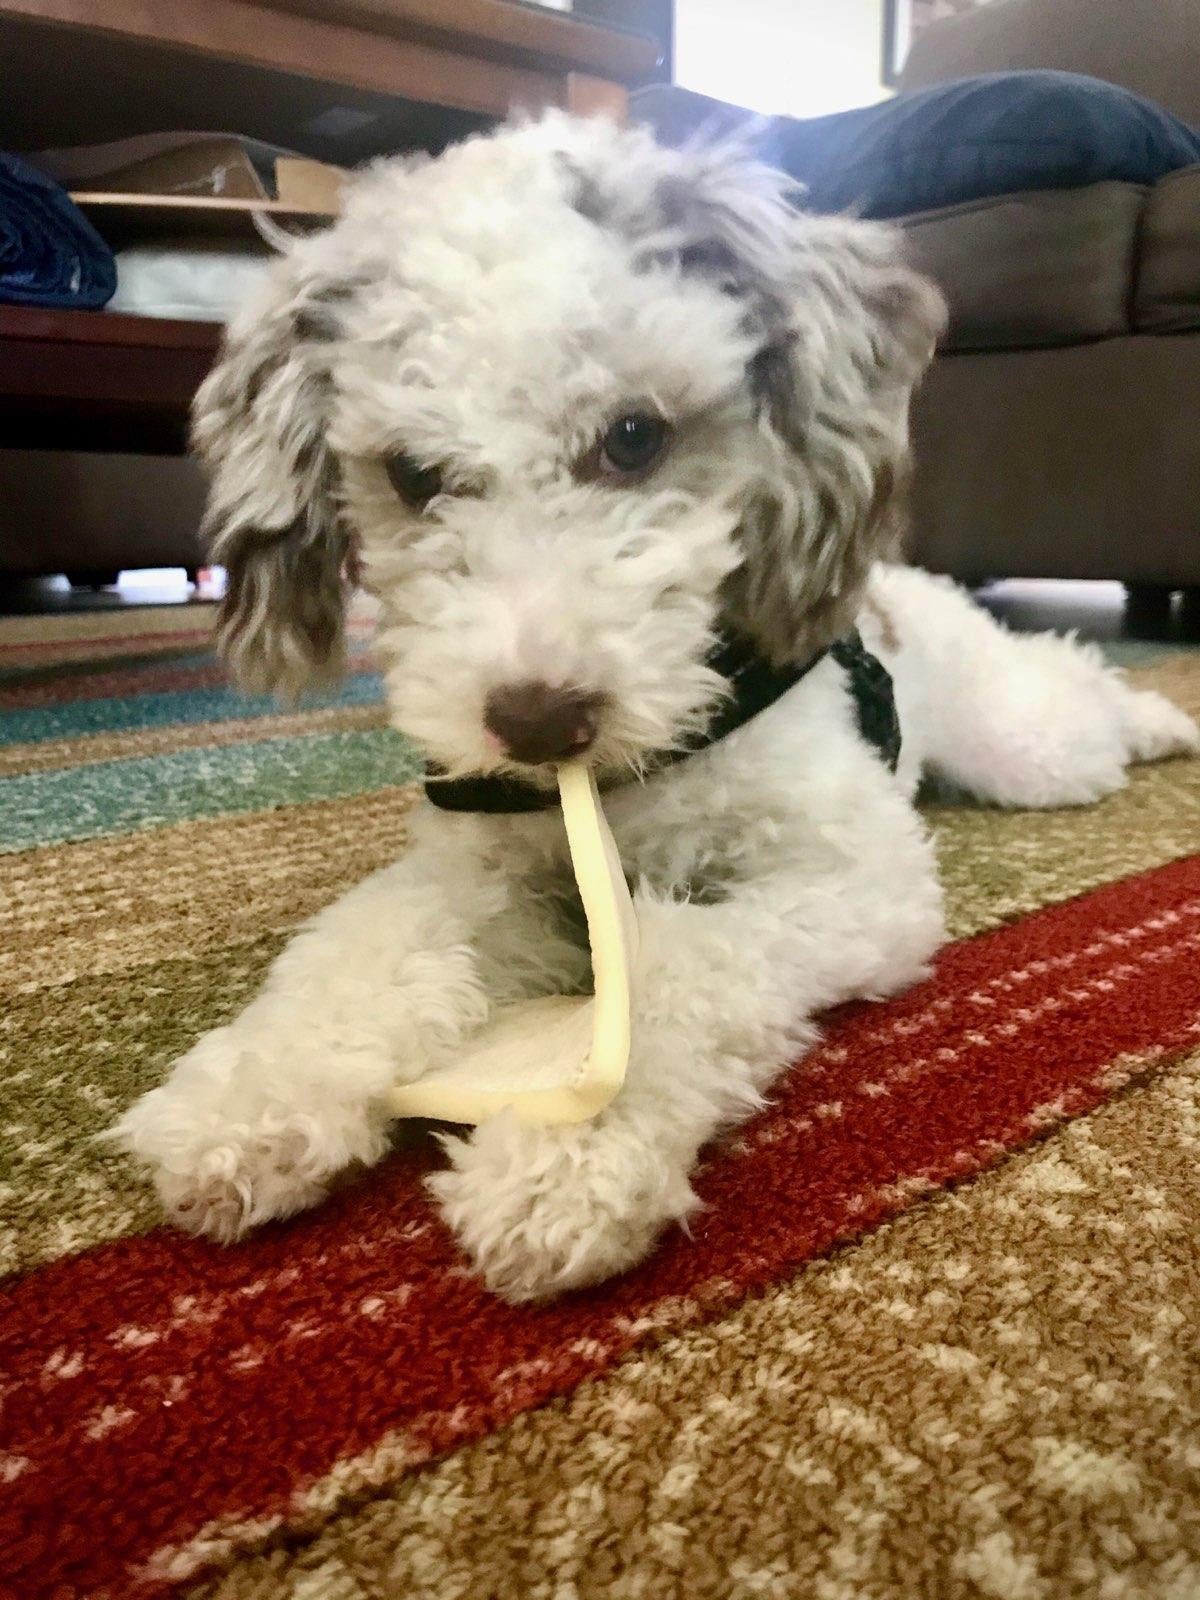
x=112, y=797
x=36, y=724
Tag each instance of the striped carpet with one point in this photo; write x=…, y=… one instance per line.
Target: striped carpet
x=862, y=1377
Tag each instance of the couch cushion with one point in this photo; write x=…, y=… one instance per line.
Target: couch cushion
x=1148, y=46
x=1046, y=267
x=1167, y=293
x=1069, y=463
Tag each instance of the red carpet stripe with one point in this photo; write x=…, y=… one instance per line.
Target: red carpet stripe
x=142, y=678
x=159, y=1385
x=130, y=682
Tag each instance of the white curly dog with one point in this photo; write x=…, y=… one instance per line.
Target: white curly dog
x=582, y=406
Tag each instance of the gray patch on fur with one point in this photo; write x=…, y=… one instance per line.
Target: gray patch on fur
x=829, y=301
x=273, y=521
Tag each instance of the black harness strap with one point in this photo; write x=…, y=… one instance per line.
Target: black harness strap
x=874, y=696
x=755, y=685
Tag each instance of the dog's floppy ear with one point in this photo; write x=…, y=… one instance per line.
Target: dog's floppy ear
x=845, y=338
x=843, y=330
x=259, y=422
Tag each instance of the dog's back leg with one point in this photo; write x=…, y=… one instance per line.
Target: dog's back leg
x=1010, y=719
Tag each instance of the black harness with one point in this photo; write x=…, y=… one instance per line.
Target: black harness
x=755, y=684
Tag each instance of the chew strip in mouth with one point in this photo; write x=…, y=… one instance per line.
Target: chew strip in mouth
x=560, y=1058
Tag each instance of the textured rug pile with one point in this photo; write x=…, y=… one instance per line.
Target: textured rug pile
x=933, y=1335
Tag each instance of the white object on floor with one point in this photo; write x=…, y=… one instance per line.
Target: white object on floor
x=197, y=282
x=561, y=1058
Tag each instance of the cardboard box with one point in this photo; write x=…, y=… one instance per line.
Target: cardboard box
x=187, y=185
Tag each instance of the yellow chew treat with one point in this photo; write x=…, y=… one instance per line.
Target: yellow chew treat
x=561, y=1058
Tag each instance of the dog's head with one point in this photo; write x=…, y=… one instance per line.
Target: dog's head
x=579, y=402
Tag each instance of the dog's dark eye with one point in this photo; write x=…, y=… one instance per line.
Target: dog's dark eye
x=633, y=443
x=416, y=485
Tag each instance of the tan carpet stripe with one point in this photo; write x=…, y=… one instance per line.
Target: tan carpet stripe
x=1000, y=865
x=992, y=1398
x=1175, y=676
x=71, y=1059
x=73, y=626
x=107, y=905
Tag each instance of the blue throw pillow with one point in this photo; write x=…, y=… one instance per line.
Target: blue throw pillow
x=991, y=135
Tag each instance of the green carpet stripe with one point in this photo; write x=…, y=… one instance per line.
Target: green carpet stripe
x=1141, y=652
x=115, y=797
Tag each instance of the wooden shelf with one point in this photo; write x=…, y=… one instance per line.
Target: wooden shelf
x=504, y=30
x=421, y=51
x=94, y=380
x=340, y=80
x=19, y=323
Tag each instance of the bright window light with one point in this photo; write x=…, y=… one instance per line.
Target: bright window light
x=802, y=58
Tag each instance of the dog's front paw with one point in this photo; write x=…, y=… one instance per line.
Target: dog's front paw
x=543, y=1210
x=216, y=1180
x=224, y=1155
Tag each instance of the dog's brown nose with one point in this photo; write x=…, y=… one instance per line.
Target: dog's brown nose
x=536, y=723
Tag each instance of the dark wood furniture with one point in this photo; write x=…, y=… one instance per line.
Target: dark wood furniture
x=76, y=380
x=337, y=79
x=341, y=80
x=269, y=67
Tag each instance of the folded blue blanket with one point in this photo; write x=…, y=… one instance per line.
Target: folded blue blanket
x=50, y=255
x=976, y=137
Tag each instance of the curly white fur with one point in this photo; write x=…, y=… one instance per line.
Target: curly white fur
x=489, y=313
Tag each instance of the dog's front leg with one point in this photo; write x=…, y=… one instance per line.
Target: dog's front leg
x=258, y=1116
x=720, y=1007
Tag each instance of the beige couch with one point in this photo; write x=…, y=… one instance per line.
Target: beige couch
x=1058, y=435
